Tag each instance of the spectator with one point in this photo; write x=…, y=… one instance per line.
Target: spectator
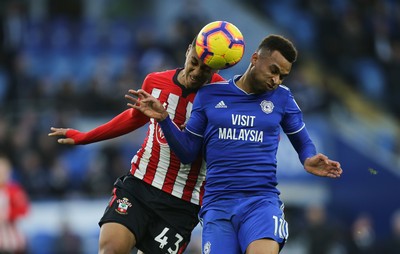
x=14, y=205
x=363, y=239
x=393, y=244
x=320, y=233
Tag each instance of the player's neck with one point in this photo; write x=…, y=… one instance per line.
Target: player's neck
x=241, y=83
x=181, y=78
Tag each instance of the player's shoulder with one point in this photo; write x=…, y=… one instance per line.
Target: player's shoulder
x=283, y=90
x=214, y=85
x=161, y=74
x=159, y=80
x=216, y=78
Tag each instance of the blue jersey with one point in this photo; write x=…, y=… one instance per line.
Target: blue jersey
x=240, y=137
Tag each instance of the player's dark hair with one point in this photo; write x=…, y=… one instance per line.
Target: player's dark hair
x=194, y=41
x=284, y=46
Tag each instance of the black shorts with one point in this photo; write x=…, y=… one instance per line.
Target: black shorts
x=160, y=222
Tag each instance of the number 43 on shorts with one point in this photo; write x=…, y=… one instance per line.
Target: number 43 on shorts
x=163, y=238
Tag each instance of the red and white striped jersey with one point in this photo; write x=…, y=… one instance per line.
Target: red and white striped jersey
x=154, y=162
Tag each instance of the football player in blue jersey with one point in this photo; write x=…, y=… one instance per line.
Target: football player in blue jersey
x=236, y=125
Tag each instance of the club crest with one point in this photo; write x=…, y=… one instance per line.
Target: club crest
x=267, y=106
x=123, y=205
x=207, y=248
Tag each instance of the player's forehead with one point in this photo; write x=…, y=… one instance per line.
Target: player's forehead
x=277, y=60
x=193, y=57
x=192, y=53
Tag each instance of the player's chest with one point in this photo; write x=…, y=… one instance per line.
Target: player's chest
x=261, y=114
x=177, y=106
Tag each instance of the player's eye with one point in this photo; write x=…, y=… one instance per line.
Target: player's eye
x=194, y=62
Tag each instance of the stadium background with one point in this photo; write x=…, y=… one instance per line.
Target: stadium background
x=69, y=63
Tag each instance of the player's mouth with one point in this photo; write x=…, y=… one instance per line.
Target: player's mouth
x=271, y=86
x=195, y=80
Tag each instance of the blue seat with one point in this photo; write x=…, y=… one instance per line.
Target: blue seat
x=41, y=243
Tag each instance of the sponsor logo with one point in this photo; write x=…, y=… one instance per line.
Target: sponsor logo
x=221, y=104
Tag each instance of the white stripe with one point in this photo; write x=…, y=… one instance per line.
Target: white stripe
x=202, y=176
x=159, y=176
x=194, y=133
x=302, y=127
x=156, y=92
x=142, y=167
x=141, y=170
x=181, y=179
x=184, y=169
x=172, y=101
x=188, y=111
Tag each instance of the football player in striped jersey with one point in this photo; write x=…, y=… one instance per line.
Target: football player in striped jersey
x=154, y=207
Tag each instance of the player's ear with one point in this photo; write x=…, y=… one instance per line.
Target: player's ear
x=254, y=58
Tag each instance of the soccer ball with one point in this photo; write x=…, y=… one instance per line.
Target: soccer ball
x=220, y=45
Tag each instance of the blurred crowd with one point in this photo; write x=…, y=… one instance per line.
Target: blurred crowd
x=359, y=40
x=66, y=71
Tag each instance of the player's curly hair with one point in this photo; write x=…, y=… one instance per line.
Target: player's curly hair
x=284, y=46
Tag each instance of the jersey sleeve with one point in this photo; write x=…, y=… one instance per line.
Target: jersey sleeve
x=148, y=83
x=127, y=121
x=292, y=121
x=198, y=120
x=184, y=144
x=216, y=78
x=303, y=144
x=294, y=127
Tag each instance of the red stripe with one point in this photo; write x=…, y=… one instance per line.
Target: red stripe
x=182, y=249
x=172, y=173
x=174, y=162
x=192, y=178
x=153, y=162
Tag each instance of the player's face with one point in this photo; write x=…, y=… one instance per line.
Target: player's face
x=196, y=73
x=268, y=70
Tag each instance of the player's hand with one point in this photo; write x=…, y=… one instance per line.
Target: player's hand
x=56, y=132
x=147, y=104
x=321, y=165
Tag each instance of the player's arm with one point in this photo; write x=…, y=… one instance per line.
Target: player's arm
x=295, y=129
x=302, y=143
x=184, y=144
x=316, y=164
x=127, y=121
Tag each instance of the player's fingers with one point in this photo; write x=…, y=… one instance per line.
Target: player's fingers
x=130, y=98
x=57, y=131
x=132, y=105
x=336, y=172
x=61, y=141
x=147, y=100
x=322, y=157
x=66, y=141
x=143, y=93
x=132, y=91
